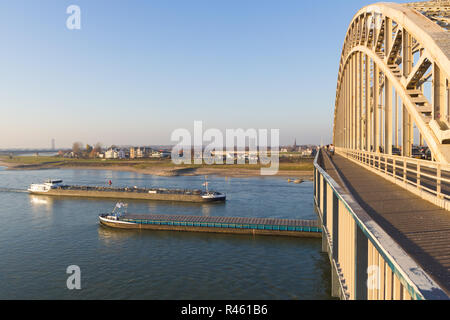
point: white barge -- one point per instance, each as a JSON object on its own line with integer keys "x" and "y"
{"x": 57, "y": 188}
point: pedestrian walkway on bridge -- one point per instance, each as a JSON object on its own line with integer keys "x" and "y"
{"x": 421, "y": 228}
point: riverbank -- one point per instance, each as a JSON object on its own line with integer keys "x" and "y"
{"x": 223, "y": 172}
{"x": 166, "y": 168}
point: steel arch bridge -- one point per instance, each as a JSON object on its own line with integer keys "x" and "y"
{"x": 393, "y": 81}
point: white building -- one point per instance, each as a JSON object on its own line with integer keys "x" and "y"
{"x": 161, "y": 154}
{"x": 111, "y": 154}
{"x": 306, "y": 152}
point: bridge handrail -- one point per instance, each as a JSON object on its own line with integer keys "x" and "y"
{"x": 410, "y": 176}
{"x": 427, "y": 163}
{"x": 414, "y": 278}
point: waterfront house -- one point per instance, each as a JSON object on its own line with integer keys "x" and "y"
{"x": 161, "y": 154}
{"x": 111, "y": 154}
{"x": 132, "y": 153}
{"x": 121, "y": 154}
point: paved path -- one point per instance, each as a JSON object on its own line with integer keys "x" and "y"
{"x": 419, "y": 227}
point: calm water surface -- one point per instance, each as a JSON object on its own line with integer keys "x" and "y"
{"x": 41, "y": 236}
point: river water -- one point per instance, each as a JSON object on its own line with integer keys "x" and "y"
{"x": 41, "y": 236}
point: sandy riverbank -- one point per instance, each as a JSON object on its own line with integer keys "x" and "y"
{"x": 5, "y": 164}
{"x": 223, "y": 172}
{"x": 169, "y": 171}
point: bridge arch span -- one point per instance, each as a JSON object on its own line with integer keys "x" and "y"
{"x": 394, "y": 73}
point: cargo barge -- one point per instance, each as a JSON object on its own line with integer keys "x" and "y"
{"x": 57, "y": 188}
{"x": 236, "y": 225}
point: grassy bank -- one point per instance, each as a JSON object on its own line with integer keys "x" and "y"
{"x": 299, "y": 168}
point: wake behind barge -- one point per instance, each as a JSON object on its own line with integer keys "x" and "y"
{"x": 57, "y": 188}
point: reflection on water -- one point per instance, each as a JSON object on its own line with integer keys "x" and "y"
{"x": 41, "y": 200}
{"x": 45, "y": 234}
{"x": 41, "y": 205}
{"x": 206, "y": 210}
{"x": 108, "y": 235}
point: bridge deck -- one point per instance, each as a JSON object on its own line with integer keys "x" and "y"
{"x": 419, "y": 227}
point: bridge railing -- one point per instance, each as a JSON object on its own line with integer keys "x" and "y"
{"x": 428, "y": 179}
{"x": 366, "y": 262}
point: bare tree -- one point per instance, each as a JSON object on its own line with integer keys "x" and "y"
{"x": 98, "y": 147}
{"x": 77, "y": 148}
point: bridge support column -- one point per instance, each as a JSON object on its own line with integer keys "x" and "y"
{"x": 320, "y": 191}
{"x": 407, "y": 59}
{"x": 376, "y": 110}
{"x": 335, "y": 284}
{"x": 361, "y": 244}
{"x": 323, "y": 209}
{"x": 346, "y": 116}
{"x": 387, "y": 116}
{"x": 354, "y": 102}
{"x": 396, "y": 119}
{"x": 360, "y": 101}
{"x": 324, "y": 242}
{"x": 406, "y": 133}
{"x": 349, "y": 105}
{"x": 367, "y": 103}
{"x": 439, "y": 91}
{"x": 357, "y": 104}
{"x": 387, "y": 91}
{"x": 315, "y": 183}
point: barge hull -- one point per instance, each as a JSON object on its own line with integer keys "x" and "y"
{"x": 127, "y": 195}
{"x": 311, "y": 233}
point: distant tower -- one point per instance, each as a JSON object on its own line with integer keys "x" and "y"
{"x": 53, "y": 144}
{"x": 294, "y": 147}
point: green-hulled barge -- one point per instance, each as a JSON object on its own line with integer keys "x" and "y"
{"x": 236, "y": 225}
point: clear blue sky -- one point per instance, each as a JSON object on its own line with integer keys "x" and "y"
{"x": 139, "y": 69}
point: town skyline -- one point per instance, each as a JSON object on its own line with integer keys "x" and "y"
{"x": 55, "y": 147}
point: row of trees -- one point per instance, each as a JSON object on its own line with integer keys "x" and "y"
{"x": 88, "y": 151}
